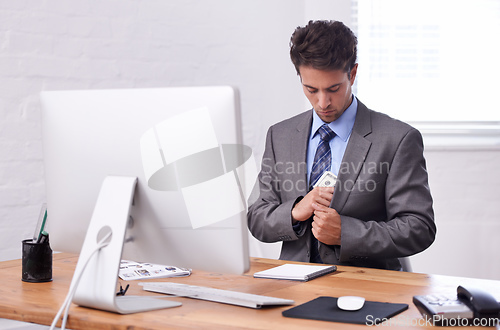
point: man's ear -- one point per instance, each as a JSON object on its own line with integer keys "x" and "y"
{"x": 352, "y": 75}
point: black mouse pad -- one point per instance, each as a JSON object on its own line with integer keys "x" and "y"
{"x": 325, "y": 309}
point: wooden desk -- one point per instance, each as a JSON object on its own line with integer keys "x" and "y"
{"x": 39, "y": 302}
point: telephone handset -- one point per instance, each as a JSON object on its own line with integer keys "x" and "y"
{"x": 468, "y": 306}
{"x": 482, "y": 304}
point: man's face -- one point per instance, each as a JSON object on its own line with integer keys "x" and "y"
{"x": 328, "y": 91}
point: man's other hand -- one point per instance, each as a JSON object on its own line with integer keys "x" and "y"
{"x": 304, "y": 209}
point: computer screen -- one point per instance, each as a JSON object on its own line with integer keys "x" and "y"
{"x": 184, "y": 146}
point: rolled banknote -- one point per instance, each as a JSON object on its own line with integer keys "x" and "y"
{"x": 327, "y": 179}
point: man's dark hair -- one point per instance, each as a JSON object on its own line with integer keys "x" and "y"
{"x": 324, "y": 45}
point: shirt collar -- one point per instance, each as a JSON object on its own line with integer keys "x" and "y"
{"x": 342, "y": 126}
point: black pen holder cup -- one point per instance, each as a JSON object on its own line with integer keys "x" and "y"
{"x": 37, "y": 261}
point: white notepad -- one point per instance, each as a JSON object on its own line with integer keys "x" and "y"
{"x": 296, "y": 272}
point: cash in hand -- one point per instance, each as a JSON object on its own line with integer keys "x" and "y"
{"x": 327, "y": 179}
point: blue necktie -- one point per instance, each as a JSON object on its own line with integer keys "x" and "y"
{"x": 323, "y": 157}
{"x": 322, "y": 162}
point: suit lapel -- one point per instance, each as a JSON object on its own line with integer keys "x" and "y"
{"x": 298, "y": 151}
{"x": 354, "y": 157}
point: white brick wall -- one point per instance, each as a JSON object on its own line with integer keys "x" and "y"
{"x": 59, "y": 44}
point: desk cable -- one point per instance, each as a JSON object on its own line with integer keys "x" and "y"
{"x": 74, "y": 284}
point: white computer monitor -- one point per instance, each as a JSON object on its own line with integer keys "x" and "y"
{"x": 184, "y": 147}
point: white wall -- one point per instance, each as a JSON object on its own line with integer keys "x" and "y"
{"x": 465, "y": 186}
{"x": 90, "y": 44}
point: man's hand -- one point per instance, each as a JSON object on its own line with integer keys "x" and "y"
{"x": 326, "y": 224}
{"x": 304, "y": 209}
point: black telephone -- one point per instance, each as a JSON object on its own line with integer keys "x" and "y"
{"x": 468, "y": 308}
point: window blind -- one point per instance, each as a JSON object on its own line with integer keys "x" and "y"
{"x": 429, "y": 60}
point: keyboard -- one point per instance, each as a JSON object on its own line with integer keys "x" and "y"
{"x": 211, "y": 294}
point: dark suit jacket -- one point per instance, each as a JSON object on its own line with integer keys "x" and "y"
{"x": 382, "y": 192}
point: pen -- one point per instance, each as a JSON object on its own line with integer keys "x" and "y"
{"x": 44, "y": 237}
{"x": 40, "y": 224}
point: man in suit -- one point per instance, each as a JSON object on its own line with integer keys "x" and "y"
{"x": 380, "y": 208}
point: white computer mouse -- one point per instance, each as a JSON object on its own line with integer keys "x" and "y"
{"x": 350, "y": 303}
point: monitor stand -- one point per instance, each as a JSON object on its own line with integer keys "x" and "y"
{"x": 98, "y": 268}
